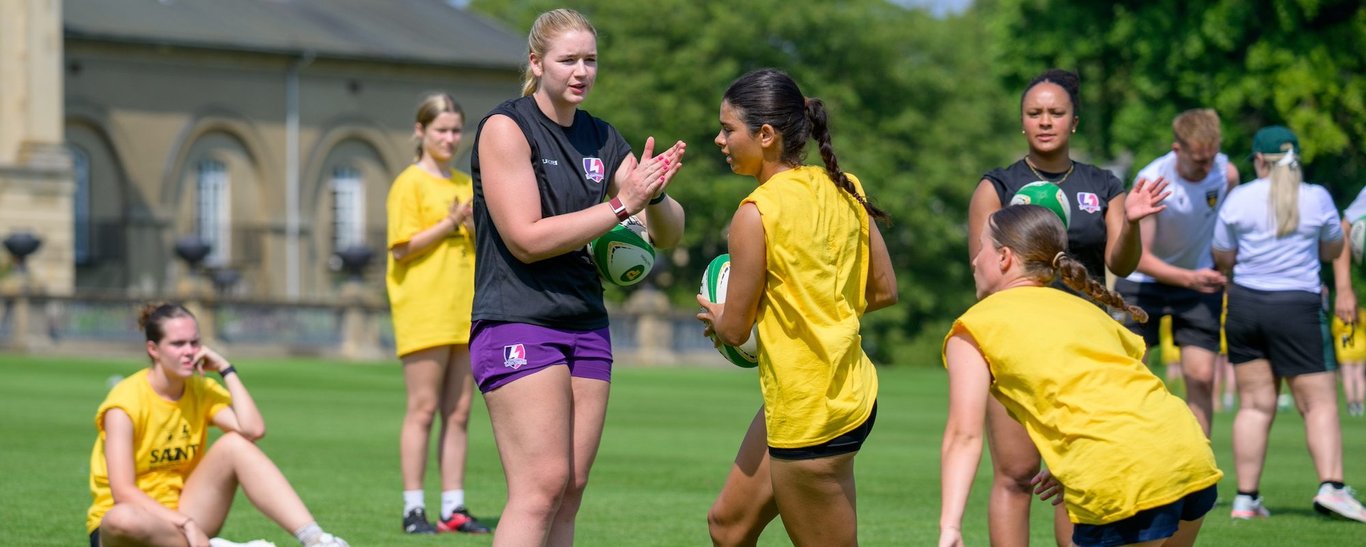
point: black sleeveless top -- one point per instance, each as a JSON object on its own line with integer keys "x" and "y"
{"x": 1089, "y": 190}
{"x": 573, "y": 166}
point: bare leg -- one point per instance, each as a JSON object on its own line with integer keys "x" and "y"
{"x": 126, "y": 525}
{"x": 1354, "y": 381}
{"x": 1014, "y": 461}
{"x": 532, "y": 424}
{"x": 817, "y": 500}
{"x": 590, "y": 412}
{"x": 1257, "y": 389}
{"x": 746, "y": 504}
{"x": 457, "y": 391}
{"x": 231, "y": 461}
{"x": 1186, "y": 531}
{"x": 1316, "y": 396}
{"x": 423, "y": 373}
{"x": 1197, "y": 366}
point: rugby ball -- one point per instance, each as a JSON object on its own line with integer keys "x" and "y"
{"x": 714, "y": 282}
{"x": 1047, "y": 195}
{"x": 1358, "y": 239}
{"x": 624, "y": 254}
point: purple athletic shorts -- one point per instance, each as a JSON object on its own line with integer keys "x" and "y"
{"x": 502, "y": 352}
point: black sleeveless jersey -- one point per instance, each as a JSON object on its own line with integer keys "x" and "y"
{"x": 1089, "y": 190}
{"x": 573, "y": 166}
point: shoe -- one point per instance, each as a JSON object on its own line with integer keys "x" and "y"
{"x": 1340, "y": 502}
{"x": 1356, "y": 409}
{"x": 1228, "y": 401}
{"x": 220, "y": 542}
{"x": 1284, "y": 402}
{"x": 1248, "y": 508}
{"x": 329, "y": 540}
{"x": 462, "y": 521}
{"x": 415, "y": 522}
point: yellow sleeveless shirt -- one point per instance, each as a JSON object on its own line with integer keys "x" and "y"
{"x": 1107, "y": 428}
{"x": 817, "y": 382}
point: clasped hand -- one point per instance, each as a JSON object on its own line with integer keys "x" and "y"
{"x": 650, "y": 176}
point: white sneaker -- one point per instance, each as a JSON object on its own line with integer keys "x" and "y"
{"x": 1341, "y": 502}
{"x": 1247, "y": 508}
{"x": 329, "y": 540}
{"x": 220, "y": 542}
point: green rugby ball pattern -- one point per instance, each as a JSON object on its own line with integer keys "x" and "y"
{"x": 714, "y": 283}
{"x": 1047, "y": 195}
{"x": 623, "y": 255}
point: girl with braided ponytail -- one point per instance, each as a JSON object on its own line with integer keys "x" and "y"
{"x": 806, "y": 302}
{"x": 1075, "y": 379}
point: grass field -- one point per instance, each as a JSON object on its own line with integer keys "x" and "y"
{"x": 671, "y": 433}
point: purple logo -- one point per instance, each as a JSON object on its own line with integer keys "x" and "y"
{"x": 514, "y": 356}
{"x": 1088, "y": 202}
{"x": 594, "y": 170}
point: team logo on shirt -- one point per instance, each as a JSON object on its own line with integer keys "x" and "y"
{"x": 1211, "y": 198}
{"x": 514, "y": 356}
{"x": 594, "y": 170}
{"x": 1088, "y": 202}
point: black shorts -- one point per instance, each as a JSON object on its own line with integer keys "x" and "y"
{"x": 1148, "y": 525}
{"x": 95, "y": 538}
{"x": 1284, "y": 327}
{"x": 1195, "y": 315}
{"x": 843, "y": 444}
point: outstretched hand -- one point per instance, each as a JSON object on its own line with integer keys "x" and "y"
{"x": 1145, "y": 199}
{"x": 651, "y": 175}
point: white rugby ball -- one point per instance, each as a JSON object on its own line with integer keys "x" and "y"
{"x": 624, "y": 254}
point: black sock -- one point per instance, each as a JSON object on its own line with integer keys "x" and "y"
{"x": 1336, "y": 484}
{"x": 1253, "y": 494}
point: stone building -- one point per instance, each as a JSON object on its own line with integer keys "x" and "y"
{"x": 269, "y": 129}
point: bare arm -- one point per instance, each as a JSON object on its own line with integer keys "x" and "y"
{"x": 881, "y": 291}
{"x": 122, "y": 472}
{"x": 1345, "y": 305}
{"x": 731, "y": 322}
{"x": 1123, "y": 243}
{"x": 1203, "y": 280}
{"x": 961, "y": 452}
{"x": 1224, "y": 260}
{"x": 460, "y": 216}
{"x": 242, "y": 417}
{"x": 984, "y": 203}
{"x": 509, "y": 184}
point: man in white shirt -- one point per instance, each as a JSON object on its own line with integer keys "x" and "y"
{"x": 1176, "y": 274}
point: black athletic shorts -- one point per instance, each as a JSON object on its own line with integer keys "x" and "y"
{"x": 1283, "y": 327}
{"x": 95, "y": 538}
{"x": 1195, "y": 315}
{"x": 843, "y": 444}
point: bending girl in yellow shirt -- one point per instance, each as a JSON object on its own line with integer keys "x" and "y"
{"x": 1075, "y": 379}
{"x": 806, "y": 301}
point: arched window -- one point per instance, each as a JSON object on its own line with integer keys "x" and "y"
{"x": 80, "y": 201}
{"x": 348, "y": 208}
{"x": 214, "y": 210}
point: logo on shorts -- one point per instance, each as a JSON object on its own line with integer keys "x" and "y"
{"x": 594, "y": 170}
{"x": 514, "y": 356}
{"x": 1088, "y": 202}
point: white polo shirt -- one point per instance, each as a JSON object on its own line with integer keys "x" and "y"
{"x": 1183, "y": 231}
{"x": 1266, "y": 262}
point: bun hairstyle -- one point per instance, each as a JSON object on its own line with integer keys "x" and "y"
{"x": 546, "y": 27}
{"x": 1068, "y": 81}
{"x": 152, "y": 316}
{"x": 434, "y": 105}
{"x": 1038, "y": 239}
{"x": 770, "y": 97}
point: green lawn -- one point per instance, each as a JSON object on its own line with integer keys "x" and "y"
{"x": 671, "y": 433}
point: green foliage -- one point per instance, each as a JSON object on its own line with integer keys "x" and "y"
{"x": 915, "y": 113}
{"x": 1293, "y": 62}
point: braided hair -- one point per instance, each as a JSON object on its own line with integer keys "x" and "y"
{"x": 1038, "y": 239}
{"x": 770, "y": 97}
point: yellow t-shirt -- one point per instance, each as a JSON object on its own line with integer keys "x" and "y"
{"x": 816, "y": 380}
{"x": 1108, "y": 429}
{"x": 431, "y": 295}
{"x": 1349, "y": 342}
{"x": 168, "y": 438}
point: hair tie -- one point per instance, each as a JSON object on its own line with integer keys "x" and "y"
{"x": 1288, "y": 159}
{"x": 1057, "y": 258}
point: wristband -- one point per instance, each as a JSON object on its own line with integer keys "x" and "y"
{"x": 619, "y": 209}
{"x": 657, "y": 199}
{"x": 225, "y": 372}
